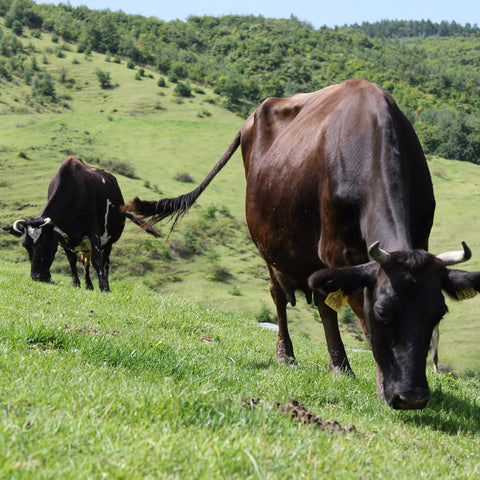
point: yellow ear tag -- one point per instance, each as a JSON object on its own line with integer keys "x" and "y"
{"x": 466, "y": 293}
{"x": 336, "y": 300}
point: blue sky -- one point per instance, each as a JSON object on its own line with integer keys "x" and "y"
{"x": 315, "y": 12}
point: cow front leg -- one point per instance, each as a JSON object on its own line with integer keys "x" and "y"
{"x": 72, "y": 260}
{"x": 337, "y": 357}
{"x": 97, "y": 263}
{"x": 284, "y": 348}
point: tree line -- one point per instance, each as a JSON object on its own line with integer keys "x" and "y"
{"x": 432, "y": 70}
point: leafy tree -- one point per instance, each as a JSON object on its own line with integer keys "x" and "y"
{"x": 231, "y": 87}
{"x": 17, "y": 27}
{"x": 183, "y": 89}
{"x": 104, "y": 79}
{"x": 42, "y": 84}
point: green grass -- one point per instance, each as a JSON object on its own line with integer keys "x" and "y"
{"x": 134, "y": 384}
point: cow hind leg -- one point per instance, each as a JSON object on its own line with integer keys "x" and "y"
{"x": 337, "y": 357}
{"x": 284, "y": 348}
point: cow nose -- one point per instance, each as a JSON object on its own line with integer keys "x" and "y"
{"x": 38, "y": 277}
{"x": 410, "y": 400}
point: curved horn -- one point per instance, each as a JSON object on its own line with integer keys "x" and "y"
{"x": 452, "y": 258}
{"x": 17, "y": 224}
{"x": 47, "y": 220}
{"x": 377, "y": 254}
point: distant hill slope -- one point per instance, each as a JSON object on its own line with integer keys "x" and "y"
{"x": 431, "y": 69}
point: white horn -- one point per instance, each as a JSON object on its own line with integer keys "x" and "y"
{"x": 46, "y": 222}
{"x": 452, "y": 258}
{"x": 17, "y": 224}
{"x": 377, "y": 254}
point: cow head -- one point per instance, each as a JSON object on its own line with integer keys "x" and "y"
{"x": 40, "y": 238}
{"x": 403, "y": 301}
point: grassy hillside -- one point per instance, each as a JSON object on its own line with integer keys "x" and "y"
{"x": 148, "y": 129}
{"x": 134, "y": 384}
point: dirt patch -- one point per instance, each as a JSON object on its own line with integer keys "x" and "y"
{"x": 298, "y": 412}
{"x": 89, "y": 331}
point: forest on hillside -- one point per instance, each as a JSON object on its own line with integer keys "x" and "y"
{"x": 432, "y": 70}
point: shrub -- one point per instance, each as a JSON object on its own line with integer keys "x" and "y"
{"x": 161, "y": 82}
{"x": 184, "y": 177}
{"x": 183, "y": 89}
{"x": 210, "y": 212}
{"x": 104, "y": 79}
{"x": 17, "y": 28}
{"x": 217, "y": 273}
{"x": 264, "y": 315}
{"x": 130, "y": 65}
{"x": 43, "y": 85}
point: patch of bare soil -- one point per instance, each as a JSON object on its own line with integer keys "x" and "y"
{"x": 298, "y": 412}
{"x": 88, "y": 331}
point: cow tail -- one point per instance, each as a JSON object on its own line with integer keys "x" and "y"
{"x": 143, "y": 224}
{"x": 176, "y": 207}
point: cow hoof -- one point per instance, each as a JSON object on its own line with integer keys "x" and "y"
{"x": 340, "y": 368}
{"x": 341, "y": 371}
{"x": 285, "y": 355}
{"x": 287, "y": 360}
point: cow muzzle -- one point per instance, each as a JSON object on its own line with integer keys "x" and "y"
{"x": 41, "y": 277}
{"x": 415, "y": 399}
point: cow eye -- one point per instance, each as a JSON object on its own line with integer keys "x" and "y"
{"x": 382, "y": 315}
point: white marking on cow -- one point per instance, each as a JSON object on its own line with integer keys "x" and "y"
{"x": 106, "y": 237}
{"x": 34, "y": 233}
{"x": 103, "y": 181}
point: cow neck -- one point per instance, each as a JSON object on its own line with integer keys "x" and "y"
{"x": 387, "y": 222}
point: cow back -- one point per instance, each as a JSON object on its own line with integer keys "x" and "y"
{"x": 330, "y": 172}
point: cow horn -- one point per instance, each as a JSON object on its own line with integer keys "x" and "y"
{"x": 377, "y": 254}
{"x": 17, "y": 224}
{"x": 47, "y": 221}
{"x": 452, "y": 258}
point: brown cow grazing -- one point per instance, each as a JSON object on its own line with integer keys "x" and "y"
{"x": 83, "y": 214}
{"x": 339, "y": 200}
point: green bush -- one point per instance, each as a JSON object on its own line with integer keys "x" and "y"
{"x": 264, "y": 315}
{"x": 104, "y": 79}
{"x": 184, "y": 177}
{"x": 183, "y": 89}
{"x": 42, "y": 84}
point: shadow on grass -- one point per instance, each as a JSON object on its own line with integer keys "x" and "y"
{"x": 449, "y": 412}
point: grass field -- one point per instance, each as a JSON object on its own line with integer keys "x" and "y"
{"x": 134, "y": 384}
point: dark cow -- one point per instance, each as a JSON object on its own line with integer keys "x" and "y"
{"x": 83, "y": 214}
{"x": 339, "y": 201}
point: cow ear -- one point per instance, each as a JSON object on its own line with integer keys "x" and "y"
{"x": 12, "y": 231}
{"x": 457, "y": 283}
{"x": 348, "y": 279}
